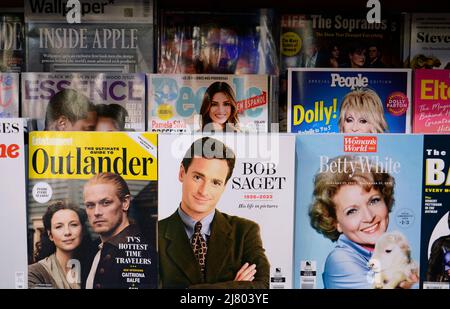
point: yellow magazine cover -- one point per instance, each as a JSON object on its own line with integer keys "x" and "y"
{"x": 92, "y": 210}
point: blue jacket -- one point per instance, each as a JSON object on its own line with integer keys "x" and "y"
{"x": 346, "y": 266}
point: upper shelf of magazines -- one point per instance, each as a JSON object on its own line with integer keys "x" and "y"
{"x": 347, "y": 5}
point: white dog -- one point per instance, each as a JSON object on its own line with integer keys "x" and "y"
{"x": 391, "y": 261}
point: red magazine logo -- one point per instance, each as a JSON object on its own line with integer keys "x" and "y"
{"x": 360, "y": 143}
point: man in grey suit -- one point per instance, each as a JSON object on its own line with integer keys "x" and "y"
{"x": 201, "y": 247}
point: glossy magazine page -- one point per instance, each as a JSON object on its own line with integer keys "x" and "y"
{"x": 252, "y": 212}
{"x": 113, "y": 36}
{"x": 349, "y": 100}
{"x": 201, "y": 102}
{"x": 435, "y": 254}
{"x": 92, "y": 209}
{"x": 13, "y": 260}
{"x": 84, "y": 101}
{"x": 358, "y": 211}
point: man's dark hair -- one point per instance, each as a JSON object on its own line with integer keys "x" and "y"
{"x": 46, "y": 247}
{"x": 116, "y": 112}
{"x": 356, "y": 47}
{"x": 210, "y": 148}
{"x": 69, "y": 103}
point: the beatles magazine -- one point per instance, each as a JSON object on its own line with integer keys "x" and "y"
{"x": 13, "y": 260}
{"x": 431, "y": 101}
{"x": 218, "y": 42}
{"x": 185, "y": 102}
{"x": 349, "y": 100}
{"x": 260, "y": 189}
{"x": 435, "y": 252}
{"x": 105, "y": 101}
{"x": 357, "y": 223}
{"x": 9, "y": 95}
{"x": 429, "y": 48}
{"x": 12, "y": 42}
{"x": 108, "y": 36}
{"x": 92, "y": 210}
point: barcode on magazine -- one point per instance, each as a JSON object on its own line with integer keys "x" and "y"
{"x": 20, "y": 280}
{"x": 307, "y": 286}
{"x": 148, "y": 8}
{"x": 436, "y": 285}
{"x": 307, "y": 283}
{"x": 308, "y": 272}
{"x": 128, "y": 12}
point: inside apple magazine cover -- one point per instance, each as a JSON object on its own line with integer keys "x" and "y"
{"x": 110, "y": 36}
{"x": 213, "y": 42}
{"x": 251, "y": 202}
{"x": 180, "y": 103}
{"x": 92, "y": 210}
{"x": 13, "y": 260}
{"x": 435, "y": 254}
{"x": 349, "y": 100}
{"x": 84, "y": 101}
{"x": 358, "y": 211}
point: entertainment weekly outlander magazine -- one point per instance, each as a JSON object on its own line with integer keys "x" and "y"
{"x": 358, "y": 210}
{"x": 13, "y": 260}
{"x": 117, "y": 97}
{"x": 261, "y": 189}
{"x": 110, "y": 177}
{"x": 175, "y": 100}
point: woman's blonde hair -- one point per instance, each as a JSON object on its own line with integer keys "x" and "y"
{"x": 367, "y": 103}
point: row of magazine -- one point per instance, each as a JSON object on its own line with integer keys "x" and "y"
{"x": 127, "y": 36}
{"x": 319, "y": 101}
{"x": 146, "y": 210}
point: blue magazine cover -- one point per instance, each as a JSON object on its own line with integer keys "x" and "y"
{"x": 349, "y": 100}
{"x": 180, "y": 103}
{"x": 435, "y": 254}
{"x": 357, "y": 225}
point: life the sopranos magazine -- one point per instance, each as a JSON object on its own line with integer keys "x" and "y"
{"x": 325, "y": 40}
{"x": 100, "y": 190}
